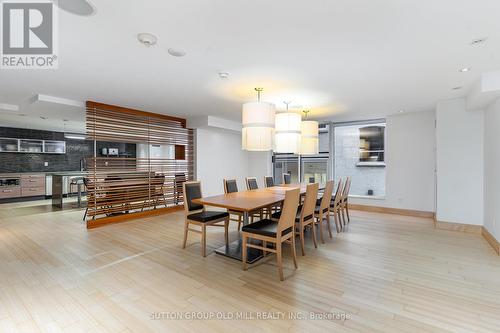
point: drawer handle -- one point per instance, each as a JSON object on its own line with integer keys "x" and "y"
{"x": 32, "y": 181}
{"x": 7, "y": 191}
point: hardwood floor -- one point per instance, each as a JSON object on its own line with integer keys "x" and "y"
{"x": 387, "y": 273}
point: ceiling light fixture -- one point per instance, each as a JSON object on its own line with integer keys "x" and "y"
{"x": 223, "y": 75}
{"x": 288, "y": 130}
{"x": 9, "y": 107}
{"x": 465, "y": 69}
{"x": 147, "y": 39}
{"x": 309, "y": 142}
{"x": 77, "y": 7}
{"x": 176, "y": 52}
{"x": 258, "y": 125}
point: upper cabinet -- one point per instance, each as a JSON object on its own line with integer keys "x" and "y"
{"x": 11, "y": 145}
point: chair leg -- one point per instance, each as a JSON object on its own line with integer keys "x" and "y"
{"x": 339, "y": 215}
{"x": 244, "y": 252}
{"x": 302, "y": 242}
{"x": 264, "y": 245}
{"x": 85, "y": 215}
{"x": 204, "y": 240}
{"x": 294, "y": 252}
{"x": 239, "y": 222}
{"x": 344, "y": 216}
{"x": 320, "y": 225}
{"x": 279, "y": 260}
{"x": 336, "y": 222}
{"x": 347, "y": 211}
{"x": 186, "y": 226}
{"x": 328, "y": 224}
{"x": 226, "y": 231}
{"x": 314, "y": 236}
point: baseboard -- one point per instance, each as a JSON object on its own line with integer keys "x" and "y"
{"x": 388, "y": 210}
{"x": 495, "y": 244}
{"x": 91, "y": 224}
{"x": 462, "y": 227}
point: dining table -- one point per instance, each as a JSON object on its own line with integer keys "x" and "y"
{"x": 247, "y": 202}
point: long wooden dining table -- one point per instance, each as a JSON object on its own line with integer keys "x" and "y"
{"x": 248, "y": 202}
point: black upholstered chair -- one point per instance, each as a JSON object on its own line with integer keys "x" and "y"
{"x": 272, "y": 231}
{"x": 287, "y": 178}
{"x": 252, "y": 183}
{"x": 197, "y": 215}
{"x": 268, "y": 181}
{"x": 231, "y": 186}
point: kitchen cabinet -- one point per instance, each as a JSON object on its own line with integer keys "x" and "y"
{"x": 12, "y": 145}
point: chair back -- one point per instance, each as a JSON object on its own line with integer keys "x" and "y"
{"x": 268, "y": 181}
{"x": 327, "y": 196}
{"x": 289, "y": 211}
{"x": 230, "y": 186}
{"x": 309, "y": 206}
{"x": 287, "y": 178}
{"x": 192, "y": 190}
{"x": 338, "y": 194}
{"x": 252, "y": 183}
{"x": 347, "y": 187}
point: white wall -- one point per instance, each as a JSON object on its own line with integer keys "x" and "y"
{"x": 492, "y": 169}
{"x": 260, "y": 165}
{"x": 460, "y": 160}
{"x": 218, "y": 156}
{"x": 410, "y": 163}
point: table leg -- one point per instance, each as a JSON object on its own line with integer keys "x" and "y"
{"x": 233, "y": 249}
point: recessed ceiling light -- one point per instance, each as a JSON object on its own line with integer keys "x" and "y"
{"x": 478, "y": 41}
{"x": 401, "y": 111}
{"x": 223, "y": 75}
{"x": 456, "y": 88}
{"x": 465, "y": 69}
{"x": 147, "y": 39}
{"x": 77, "y": 7}
{"x": 176, "y": 52}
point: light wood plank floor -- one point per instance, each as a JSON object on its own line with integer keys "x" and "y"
{"x": 388, "y": 273}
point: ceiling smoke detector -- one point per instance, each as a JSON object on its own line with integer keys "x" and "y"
{"x": 465, "y": 69}
{"x": 77, "y": 7}
{"x": 147, "y": 39}
{"x": 176, "y": 52}
{"x": 478, "y": 41}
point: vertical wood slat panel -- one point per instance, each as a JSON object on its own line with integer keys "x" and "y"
{"x": 121, "y": 185}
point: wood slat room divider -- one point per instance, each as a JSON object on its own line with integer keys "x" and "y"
{"x": 121, "y": 188}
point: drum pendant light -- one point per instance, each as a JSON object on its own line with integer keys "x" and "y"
{"x": 309, "y": 143}
{"x": 258, "y": 125}
{"x": 288, "y": 130}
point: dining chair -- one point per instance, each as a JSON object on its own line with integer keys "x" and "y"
{"x": 321, "y": 213}
{"x": 268, "y": 181}
{"x": 155, "y": 193}
{"x": 179, "y": 178}
{"x": 251, "y": 183}
{"x": 345, "y": 200}
{"x": 335, "y": 204}
{"x": 287, "y": 178}
{"x": 231, "y": 186}
{"x": 197, "y": 214}
{"x": 306, "y": 216}
{"x": 274, "y": 232}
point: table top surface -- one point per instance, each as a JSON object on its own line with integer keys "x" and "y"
{"x": 250, "y": 200}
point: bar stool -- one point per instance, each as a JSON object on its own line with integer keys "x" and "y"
{"x": 78, "y": 182}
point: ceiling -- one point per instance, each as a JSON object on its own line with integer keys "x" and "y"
{"x": 342, "y": 59}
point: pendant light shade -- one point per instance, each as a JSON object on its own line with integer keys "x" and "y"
{"x": 258, "y": 125}
{"x": 309, "y": 143}
{"x": 288, "y": 130}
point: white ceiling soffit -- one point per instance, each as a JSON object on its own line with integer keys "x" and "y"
{"x": 214, "y": 123}
{"x": 57, "y": 100}
{"x": 9, "y": 107}
{"x": 484, "y": 92}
